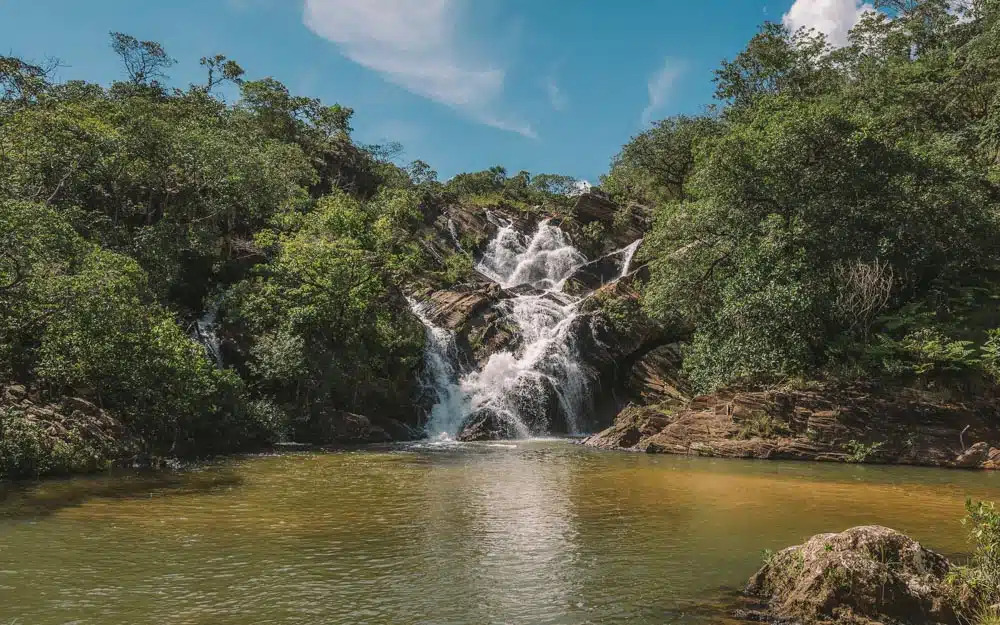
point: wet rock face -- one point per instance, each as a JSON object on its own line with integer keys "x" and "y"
{"x": 868, "y": 574}
{"x": 593, "y": 275}
{"x": 456, "y": 307}
{"x": 486, "y": 425}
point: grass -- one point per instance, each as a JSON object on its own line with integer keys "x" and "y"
{"x": 762, "y": 425}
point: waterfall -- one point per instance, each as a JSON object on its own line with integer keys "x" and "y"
{"x": 628, "y": 253}
{"x": 441, "y": 371}
{"x": 454, "y": 234}
{"x": 204, "y": 332}
{"x": 544, "y": 374}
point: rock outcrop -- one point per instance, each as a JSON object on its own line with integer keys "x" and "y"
{"x": 842, "y": 425}
{"x": 336, "y": 427}
{"x": 868, "y": 574}
{"x": 619, "y": 225}
{"x": 71, "y": 435}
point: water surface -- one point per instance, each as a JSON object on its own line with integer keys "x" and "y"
{"x": 537, "y": 532}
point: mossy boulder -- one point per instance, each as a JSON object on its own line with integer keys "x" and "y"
{"x": 869, "y": 574}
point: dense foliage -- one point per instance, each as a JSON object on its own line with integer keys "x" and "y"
{"x": 839, "y": 213}
{"x": 130, "y": 212}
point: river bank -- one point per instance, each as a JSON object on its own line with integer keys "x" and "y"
{"x": 850, "y": 424}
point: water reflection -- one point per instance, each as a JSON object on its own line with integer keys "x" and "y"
{"x": 31, "y": 499}
{"x": 539, "y": 533}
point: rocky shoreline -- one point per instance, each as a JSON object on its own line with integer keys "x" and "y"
{"x": 823, "y": 424}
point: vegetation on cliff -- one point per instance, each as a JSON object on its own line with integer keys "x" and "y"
{"x": 129, "y": 212}
{"x": 837, "y": 215}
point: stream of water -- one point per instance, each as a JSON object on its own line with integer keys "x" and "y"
{"x": 519, "y": 532}
{"x": 515, "y": 384}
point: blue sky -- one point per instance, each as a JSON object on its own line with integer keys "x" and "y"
{"x": 551, "y": 86}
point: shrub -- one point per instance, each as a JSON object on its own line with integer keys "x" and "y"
{"x": 978, "y": 583}
{"x": 762, "y": 425}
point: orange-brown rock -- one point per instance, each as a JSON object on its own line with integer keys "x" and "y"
{"x": 844, "y": 425}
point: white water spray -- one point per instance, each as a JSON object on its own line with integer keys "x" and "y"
{"x": 440, "y": 361}
{"x": 545, "y": 375}
{"x": 205, "y": 333}
{"x": 628, "y": 254}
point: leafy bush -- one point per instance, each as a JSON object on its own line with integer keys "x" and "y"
{"x": 623, "y": 312}
{"x": 859, "y": 452}
{"x": 761, "y": 425}
{"x": 978, "y": 583}
{"x": 991, "y": 354}
{"x": 458, "y": 268}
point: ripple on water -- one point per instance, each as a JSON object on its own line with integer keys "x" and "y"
{"x": 528, "y": 532}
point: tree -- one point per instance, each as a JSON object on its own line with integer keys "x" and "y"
{"x": 554, "y": 184}
{"x": 777, "y": 61}
{"x": 145, "y": 61}
{"x": 780, "y": 201}
{"x": 655, "y": 165}
{"x": 421, "y": 174}
{"x": 22, "y": 82}
{"x": 220, "y": 70}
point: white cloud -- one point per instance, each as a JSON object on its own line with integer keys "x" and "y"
{"x": 413, "y": 44}
{"x": 557, "y": 98}
{"x": 660, "y": 87}
{"x": 834, "y": 18}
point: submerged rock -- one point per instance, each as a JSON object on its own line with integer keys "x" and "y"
{"x": 868, "y": 574}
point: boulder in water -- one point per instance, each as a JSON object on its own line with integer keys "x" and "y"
{"x": 868, "y": 574}
{"x": 334, "y": 427}
{"x": 487, "y": 425}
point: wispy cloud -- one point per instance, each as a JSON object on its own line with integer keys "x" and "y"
{"x": 834, "y": 18}
{"x": 661, "y": 86}
{"x": 414, "y": 45}
{"x": 557, "y": 98}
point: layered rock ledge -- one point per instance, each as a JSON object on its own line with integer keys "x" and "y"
{"x": 71, "y": 435}
{"x": 840, "y": 425}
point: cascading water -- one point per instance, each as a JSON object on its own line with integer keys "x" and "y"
{"x": 440, "y": 358}
{"x": 544, "y": 375}
{"x": 204, "y": 332}
{"x": 628, "y": 253}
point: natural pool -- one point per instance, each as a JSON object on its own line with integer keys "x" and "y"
{"x": 525, "y": 533}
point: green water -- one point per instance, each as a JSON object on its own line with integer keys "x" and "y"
{"x": 532, "y": 533}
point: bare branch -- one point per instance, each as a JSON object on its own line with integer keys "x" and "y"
{"x": 864, "y": 291}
